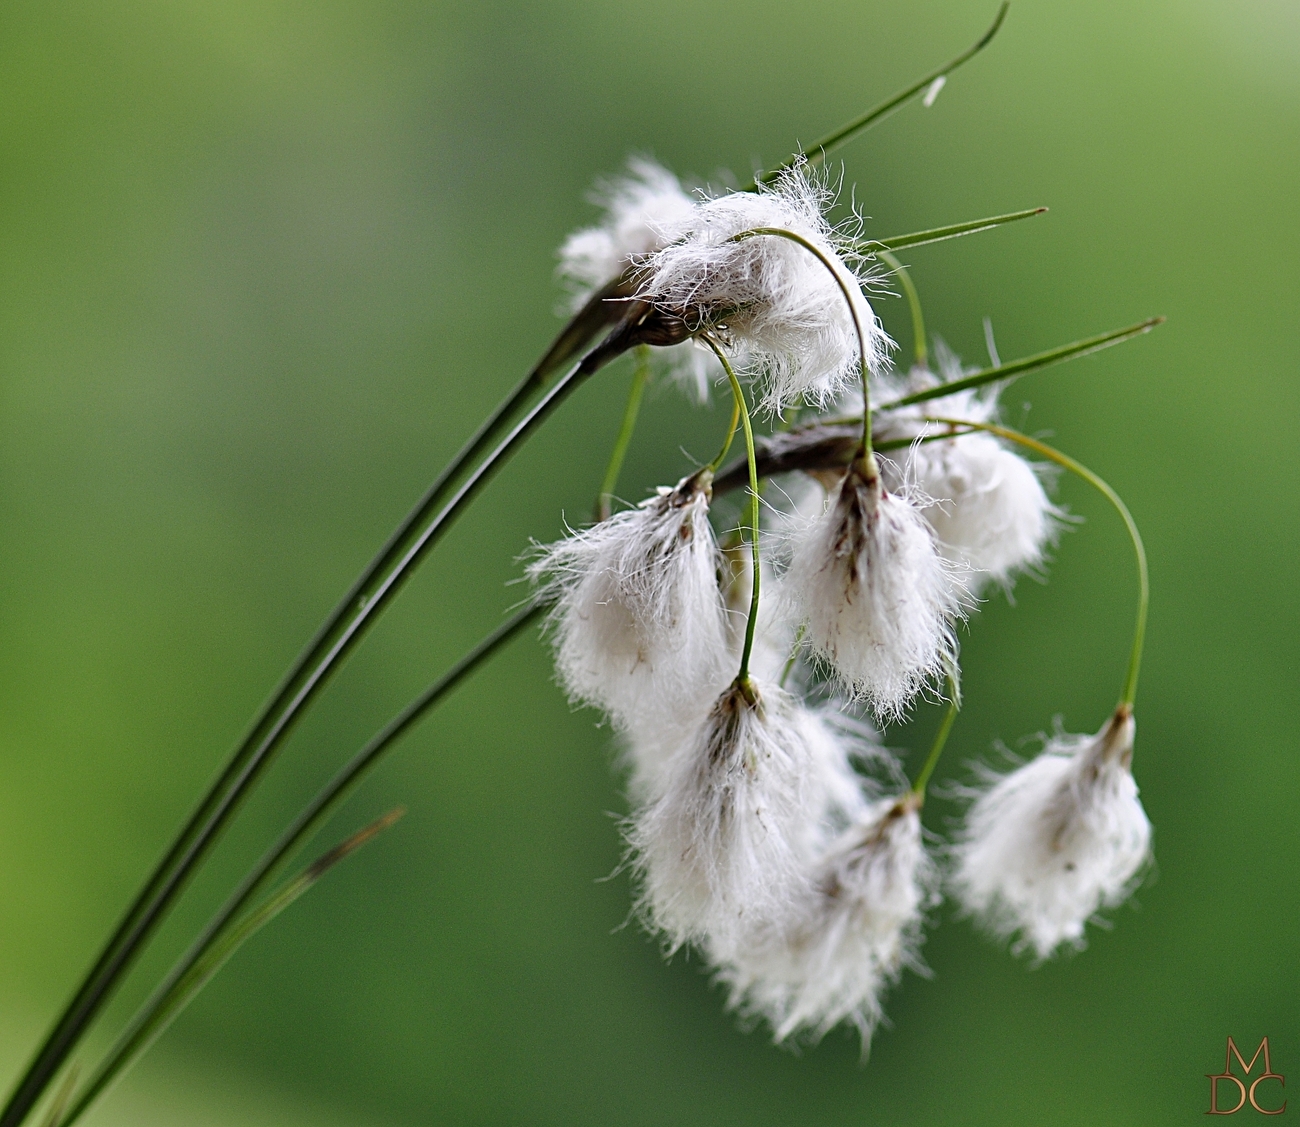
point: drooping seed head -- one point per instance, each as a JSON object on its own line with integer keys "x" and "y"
{"x": 852, "y": 936}
{"x": 772, "y": 300}
{"x": 724, "y": 851}
{"x": 638, "y": 625}
{"x": 1049, "y": 844}
{"x": 877, "y": 597}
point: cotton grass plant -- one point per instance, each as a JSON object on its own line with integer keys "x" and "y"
{"x": 744, "y": 669}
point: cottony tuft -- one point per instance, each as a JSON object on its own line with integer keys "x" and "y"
{"x": 852, "y": 935}
{"x": 877, "y": 597}
{"x": 770, "y": 299}
{"x": 638, "y": 624}
{"x": 1054, "y": 841}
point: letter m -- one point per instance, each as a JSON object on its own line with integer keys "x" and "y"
{"x": 1245, "y": 1068}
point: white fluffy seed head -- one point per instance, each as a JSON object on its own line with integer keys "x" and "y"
{"x": 877, "y": 597}
{"x": 724, "y": 851}
{"x": 638, "y": 625}
{"x": 988, "y": 507}
{"x": 855, "y": 931}
{"x": 1048, "y": 845}
{"x": 782, "y": 310}
{"x": 644, "y": 211}
{"x": 986, "y": 504}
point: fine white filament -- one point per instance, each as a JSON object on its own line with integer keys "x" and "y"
{"x": 853, "y": 935}
{"x": 1048, "y": 845}
{"x": 638, "y": 625}
{"x": 771, "y": 299}
{"x": 877, "y": 597}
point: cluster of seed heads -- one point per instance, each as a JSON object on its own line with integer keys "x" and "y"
{"x": 770, "y": 829}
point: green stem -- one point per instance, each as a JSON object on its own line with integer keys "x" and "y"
{"x": 794, "y": 654}
{"x": 738, "y": 395}
{"x": 940, "y": 234}
{"x": 820, "y": 255}
{"x": 731, "y": 435}
{"x": 624, "y": 439}
{"x": 345, "y": 627}
{"x": 1028, "y": 364}
{"x": 1129, "y": 692}
{"x": 941, "y": 737}
{"x": 132, "y": 1045}
{"x": 920, "y": 353}
{"x": 820, "y": 150}
{"x": 313, "y": 816}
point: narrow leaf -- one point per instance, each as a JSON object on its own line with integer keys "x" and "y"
{"x": 54, "y": 1116}
{"x": 1028, "y": 364}
{"x": 939, "y": 234}
{"x": 820, "y": 150}
{"x": 150, "y": 1025}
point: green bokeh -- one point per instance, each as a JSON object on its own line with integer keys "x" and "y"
{"x": 264, "y": 265}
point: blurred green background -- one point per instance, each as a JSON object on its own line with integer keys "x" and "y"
{"x": 264, "y": 265}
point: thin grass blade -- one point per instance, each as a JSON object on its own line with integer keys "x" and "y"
{"x": 140, "y": 1036}
{"x": 1029, "y": 363}
{"x": 940, "y": 234}
{"x": 328, "y": 799}
{"x": 58, "y": 1105}
{"x": 820, "y": 150}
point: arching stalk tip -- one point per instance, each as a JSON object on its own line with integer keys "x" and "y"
{"x": 997, "y": 24}
{"x": 820, "y": 150}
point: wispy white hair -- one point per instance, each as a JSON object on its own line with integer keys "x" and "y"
{"x": 638, "y": 624}
{"x": 725, "y": 851}
{"x": 851, "y": 937}
{"x": 1049, "y": 844}
{"x": 877, "y": 597}
{"x": 782, "y": 310}
{"x": 644, "y": 210}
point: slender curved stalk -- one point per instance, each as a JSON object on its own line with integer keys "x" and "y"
{"x": 818, "y": 151}
{"x": 941, "y": 234}
{"x": 732, "y": 427}
{"x": 1129, "y": 692}
{"x": 920, "y": 353}
{"x": 1028, "y": 364}
{"x": 738, "y": 396}
{"x": 342, "y": 631}
{"x": 605, "y": 501}
{"x": 129, "y": 1048}
{"x": 820, "y": 255}
{"x": 788, "y": 668}
{"x": 941, "y": 737}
